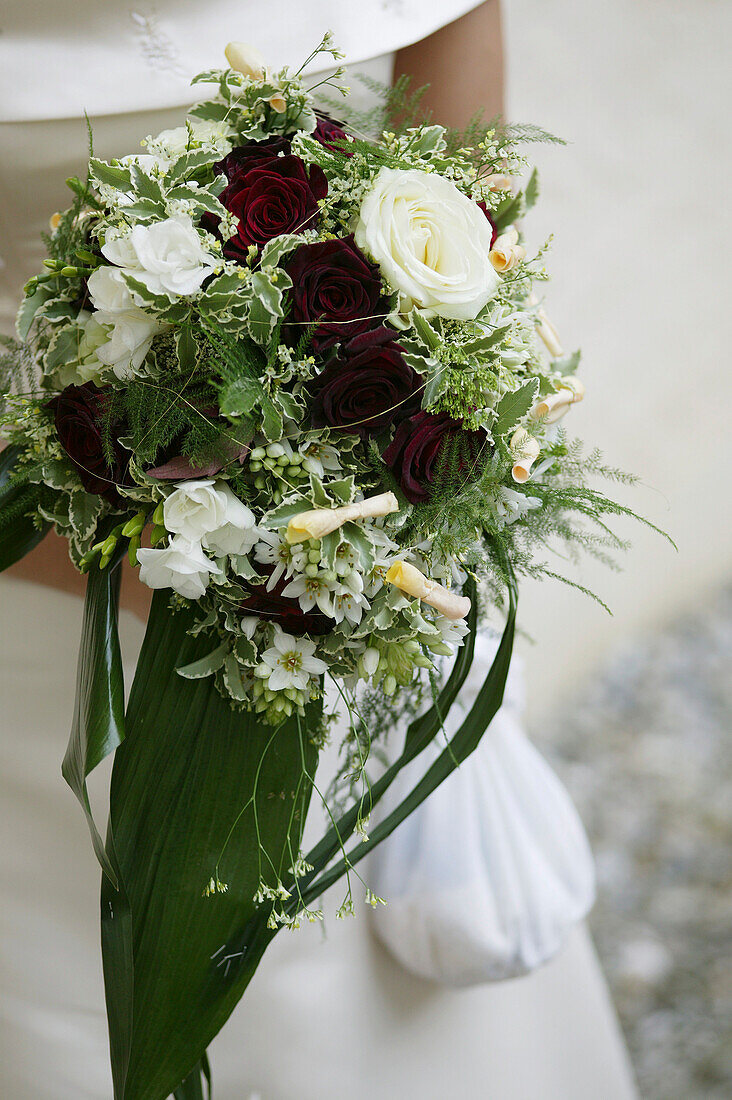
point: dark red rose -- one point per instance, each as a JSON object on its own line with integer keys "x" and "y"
{"x": 494, "y": 232}
{"x": 276, "y": 196}
{"x": 332, "y": 134}
{"x": 284, "y": 610}
{"x": 78, "y": 413}
{"x": 334, "y": 283}
{"x": 251, "y": 155}
{"x": 367, "y": 387}
{"x": 414, "y": 454}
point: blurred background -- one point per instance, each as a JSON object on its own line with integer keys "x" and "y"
{"x": 635, "y": 709}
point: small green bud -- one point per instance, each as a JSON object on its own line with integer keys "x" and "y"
{"x": 311, "y": 570}
{"x": 314, "y": 555}
{"x": 258, "y": 454}
{"x": 132, "y": 550}
{"x": 390, "y": 684}
{"x": 50, "y": 264}
{"x": 134, "y": 526}
{"x": 158, "y": 516}
{"x": 157, "y": 535}
{"x": 108, "y": 546}
{"x": 69, "y": 271}
{"x": 104, "y": 561}
{"x": 255, "y": 466}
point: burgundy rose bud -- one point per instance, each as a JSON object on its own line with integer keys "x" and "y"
{"x": 78, "y": 413}
{"x": 253, "y": 154}
{"x": 332, "y": 134}
{"x": 276, "y": 196}
{"x": 416, "y": 451}
{"x": 367, "y": 387}
{"x": 334, "y": 284}
{"x": 485, "y": 210}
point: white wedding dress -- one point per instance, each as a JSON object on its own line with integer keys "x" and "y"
{"x": 330, "y": 1013}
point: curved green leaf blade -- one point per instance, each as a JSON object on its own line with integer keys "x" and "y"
{"x": 460, "y": 746}
{"x": 190, "y": 773}
{"x": 98, "y": 726}
{"x": 19, "y": 534}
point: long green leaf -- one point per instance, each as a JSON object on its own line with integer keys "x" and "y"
{"x": 19, "y": 535}
{"x": 193, "y": 783}
{"x": 460, "y": 746}
{"x": 419, "y": 734}
{"x": 98, "y": 725}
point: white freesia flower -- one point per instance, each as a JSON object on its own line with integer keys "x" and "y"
{"x": 182, "y": 566}
{"x": 430, "y": 240}
{"x": 208, "y": 512}
{"x": 169, "y": 257}
{"x": 292, "y": 662}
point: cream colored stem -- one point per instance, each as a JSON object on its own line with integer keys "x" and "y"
{"x": 414, "y": 583}
{"x": 319, "y": 522}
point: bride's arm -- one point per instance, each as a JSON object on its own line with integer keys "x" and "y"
{"x": 463, "y": 65}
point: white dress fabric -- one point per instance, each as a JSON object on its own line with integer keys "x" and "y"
{"x": 488, "y": 877}
{"x": 328, "y": 1015}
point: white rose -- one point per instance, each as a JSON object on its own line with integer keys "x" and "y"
{"x": 207, "y": 511}
{"x": 169, "y": 257}
{"x": 182, "y": 566}
{"x": 430, "y": 240}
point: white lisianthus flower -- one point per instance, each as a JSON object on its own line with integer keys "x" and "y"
{"x": 182, "y": 565}
{"x": 291, "y": 662}
{"x": 208, "y": 512}
{"x": 430, "y": 241}
{"x": 129, "y": 335}
{"x": 169, "y": 257}
{"x": 129, "y": 330}
{"x": 109, "y": 291}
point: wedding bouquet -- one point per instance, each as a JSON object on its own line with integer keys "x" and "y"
{"x": 302, "y": 379}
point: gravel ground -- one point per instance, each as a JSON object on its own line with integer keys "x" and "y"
{"x": 646, "y": 754}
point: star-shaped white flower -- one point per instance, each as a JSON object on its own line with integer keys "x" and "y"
{"x": 292, "y": 662}
{"x": 311, "y": 591}
{"x": 273, "y": 550}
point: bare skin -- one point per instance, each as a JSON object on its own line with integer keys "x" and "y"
{"x": 463, "y": 65}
